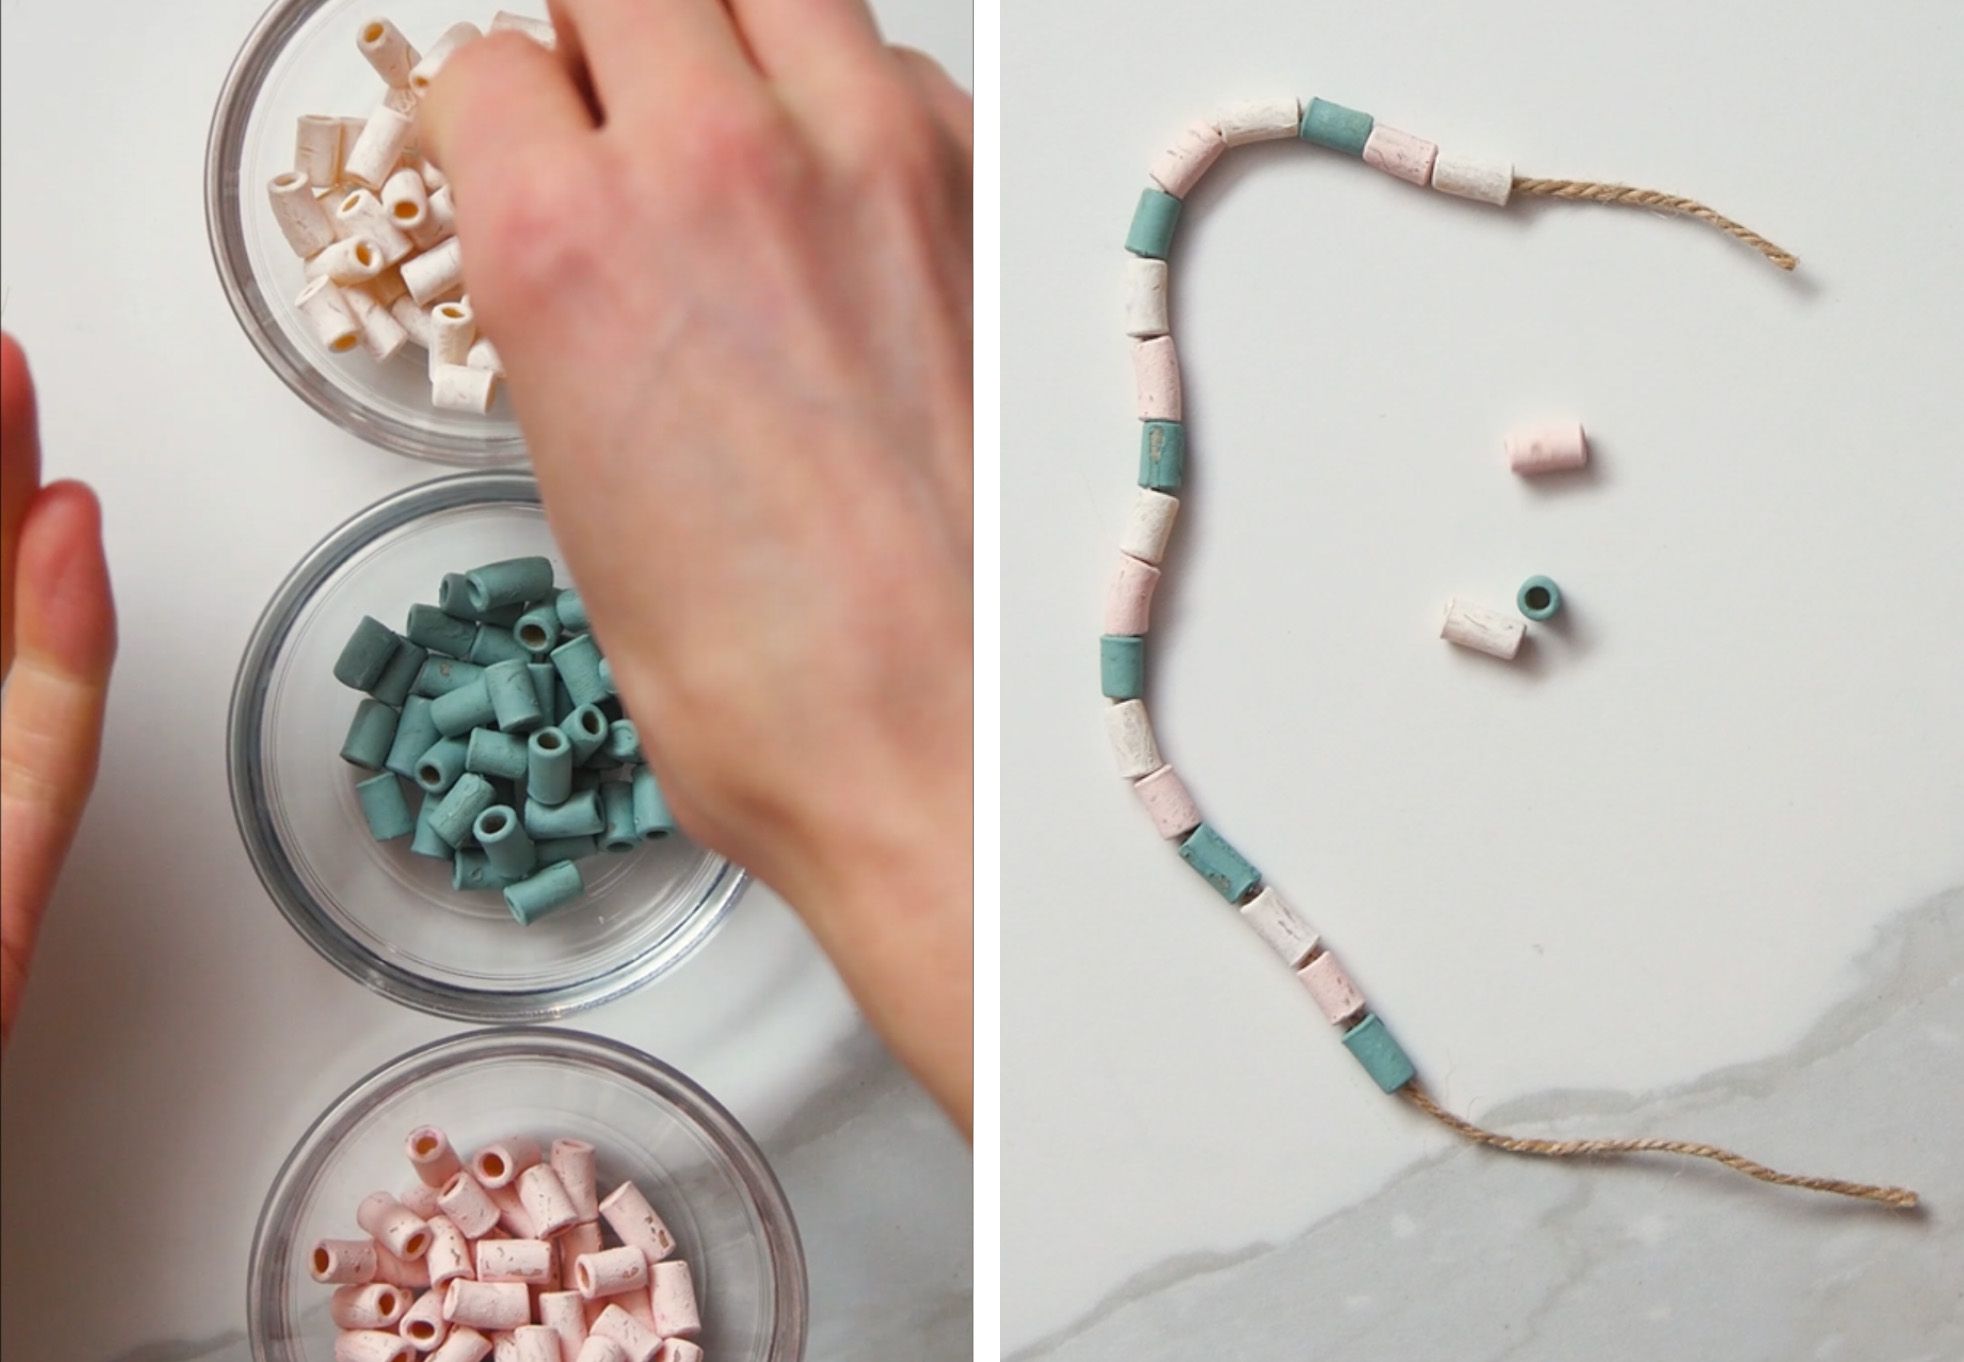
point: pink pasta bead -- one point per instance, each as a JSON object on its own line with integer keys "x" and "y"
{"x": 422, "y": 1326}
{"x": 468, "y": 1205}
{"x": 400, "y": 1271}
{"x": 547, "y": 1203}
{"x": 582, "y": 1238}
{"x": 678, "y": 1350}
{"x": 421, "y": 1200}
{"x": 428, "y": 1148}
{"x": 1156, "y": 374}
{"x": 498, "y": 1165}
{"x": 597, "y": 1349}
{"x": 536, "y": 1343}
{"x": 370, "y": 1345}
{"x": 342, "y": 1260}
{"x": 515, "y": 1260}
{"x": 1332, "y": 989}
{"x": 635, "y": 1221}
{"x": 487, "y": 1305}
{"x": 1401, "y": 154}
{"x": 564, "y": 1313}
{"x": 573, "y": 1161}
{"x": 673, "y": 1299}
{"x": 610, "y": 1272}
{"x": 374, "y": 1306}
{"x": 637, "y": 1340}
{"x": 1547, "y": 448}
{"x": 1174, "y": 814}
{"x": 1179, "y": 167}
{"x": 397, "y": 1228}
{"x": 462, "y": 1345}
{"x": 450, "y": 1252}
{"x": 504, "y": 1348}
{"x": 1128, "y": 605}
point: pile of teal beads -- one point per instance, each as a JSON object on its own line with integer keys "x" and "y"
{"x": 498, "y": 707}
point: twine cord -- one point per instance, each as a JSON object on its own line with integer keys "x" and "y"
{"x": 1900, "y": 1198}
{"x": 1593, "y": 191}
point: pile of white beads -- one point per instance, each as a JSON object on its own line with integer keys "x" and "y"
{"x": 506, "y": 1258}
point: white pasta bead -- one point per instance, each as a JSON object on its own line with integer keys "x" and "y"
{"x": 446, "y": 47}
{"x": 387, "y": 51}
{"x": 434, "y": 273}
{"x": 673, "y": 1294}
{"x": 351, "y": 130}
{"x": 1483, "y": 630}
{"x": 423, "y": 1326}
{"x": 452, "y": 328}
{"x": 1150, "y": 525}
{"x": 484, "y": 355}
{"x": 385, "y": 288}
{"x": 378, "y": 150}
{"x": 404, "y": 102}
{"x": 374, "y": 1306}
{"x": 354, "y": 261}
{"x": 1145, "y": 296}
{"x": 1128, "y": 606}
{"x": 433, "y": 176}
{"x": 317, "y": 150}
{"x": 1179, "y": 167}
{"x": 1165, "y": 796}
{"x": 327, "y": 311}
{"x": 546, "y": 1199}
{"x": 539, "y": 31}
{"x": 1332, "y": 989}
{"x": 413, "y": 320}
{"x": 536, "y": 1343}
{"x": 487, "y": 1305}
{"x": 443, "y": 210}
{"x": 360, "y": 213}
{"x": 458, "y": 387}
{"x": 1277, "y": 922}
{"x": 406, "y": 199}
{"x": 1156, "y": 374}
{"x": 1547, "y": 448}
{"x": 1133, "y": 745}
{"x": 1259, "y": 120}
{"x": 1471, "y": 177}
{"x": 302, "y": 220}
{"x": 383, "y": 337}
{"x": 461, "y": 1345}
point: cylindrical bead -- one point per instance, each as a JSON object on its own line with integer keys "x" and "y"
{"x": 537, "y": 630}
{"x": 499, "y": 1163}
{"x": 550, "y": 889}
{"x": 471, "y": 870}
{"x": 1128, "y": 605}
{"x": 469, "y": 797}
{"x": 673, "y": 1293}
{"x": 1153, "y": 222}
{"x": 617, "y": 808}
{"x": 439, "y": 631}
{"x": 1401, "y": 154}
{"x": 370, "y": 1345}
{"x": 1483, "y": 630}
{"x": 494, "y": 643}
{"x": 462, "y": 1345}
{"x": 515, "y": 1260}
{"x": 355, "y": 260}
{"x": 573, "y": 1161}
{"x": 1547, "y": 448}
{"x": 1334, "y": 126}
{"x": 546, "y": 1201}
{"x": 453, "y": 326}
{"x": 398, "y": 678}
{"x": 371, "y": 734}
{"x": 1156, "y": 373}
{"x": 1179, "y": 167}
{"x": 423, "y": 1326}
{"x": 302, "y": 221}
{"x": 639, "y": 1342}
{"x": 545, "y": 684}
{"x": 1277, "y": 922}
{"x": 484, "y": 355}
{"x": 373, "y": 1306}
{"x": 425, "y": 842}
{"x": 1133, "y": 745}
{"x": 384, "y": 808}
{"x": 415, "y": 734}
{"x": 443, "y": 211}
{"x": 406, "y": 199}
{"x": 419, "y": 1198}
{"x": 550, "y": 769}
{"x": 1165, "y": 796}
{"x": 636, "y": 1222}
{"x": 564, "y": 1313}
{"x": 436, "y": 271}
{"x": 341, "y": 1261}
{"x": 652, "y": 817}
{"x": 457, "y": 712}
{"x": 1472, "y": 177}
{"x": 378, "y": 150}
{"x": 1539, "y": 598}
{"x": 597, "y": 1348}
{"x": 578, "y": 661}
{"x": 580, "y": 1239}
{"x": 441, "y": 765}
{"x": 1258, "y": 120}
{"x": 328, "y": 313}
{"x": 458, "y": 387}
{"x": 393, "y": 1225}
{"x": 1162, "y": 455}
{"x": 450, "y": 1252}
{"x": 360, "y": 214}
{"x": 410, "y": 317}
{"x": 454, "y": 37}
{"x": 514, "y": 699}
{"x": 536, "y": 1343}
{"x": 441, "y": 675}
{"x": 678, "y": 1350}
{"x": 586, "y": 728}
{"x": 1145, "y": 297}
{"x": 1373, "y": 1045}
{"x": 387, "y": 51}
{"x": 487, "y": 1305}
{"x": 1149, "y": 526}
{"x": 510, "y": 581}
{"x": 571, "y": 610}
{"x": 401, "y": 1271}
{"x": 350, "y": 134}
{"x": 1122, "y": 666}
{"x": 1215, "y": 860}
{"x": 541, "y": 32}
{"x": 579, "y": 815}
{"x": 505, "y": 842}
{"x": 381, "y": 334}
{"x": 317, "y": 150}
{"x": 623, "y": 742}
{"x": 1331, "y": 987}
{"x": 466, "y": 1204}
{"x": 491, "y": 753}
{"x": 610, "y": 1272}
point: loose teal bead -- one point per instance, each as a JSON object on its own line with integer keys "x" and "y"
{"x": 453, "y": 597}
{"x": 1539, "y": 598}
{"x": 578, "y": 661}
{"x": 1379, "y": 1052}
{"x": 545, "y": 683}
{"x": 623, "y": 741}
{"x": 571, "y": 610}
{"x": 651, "y": 815}
{"x": 426, "y": 842}
{"x": 1122, "y": 666}
{"x": 537, "y": 630}
{"x": 565, "y": 849}
{"x": 441, "y": 675}
{"x": 606, "y": 670}
{"x": 415, "y": 734}
{"x": 399, "y": 677}
{"x": 514, "y": 699}
{"x": 496, "y": 644}
{"x": 370, "y": 736}
{"x": 1162, "y": 455}
{"x": 562, "y": 703}
{"x": 472, "y": 869}
{"x": 499, "y": 833}
{"x": 511, "y": 582}
{"x": 491, "y": 753}
{"x": 1153, "y": 222}
{"x": 365, "y": 656}
{"x": 384, "y": 807}
{"x": 1333, "y": 126}
{"x": 617, "y": 808}
{"x": 457, "y": 712}
{"x": 431, "y": 628}
{"x": 549, "y": 890}
{"x": 453, "y": 816}
{"x": 1219, "y": 864}
{"x": 586, "y": 728}
{"x": 549, "y": 766}
{"x": 438, "y": 768}
{"x": 578, "y": 816}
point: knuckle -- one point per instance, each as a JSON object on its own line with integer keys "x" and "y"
{"x": 738, "y": 147}
{"x": 525, "y": 242}
{"x": 892, "y": 144}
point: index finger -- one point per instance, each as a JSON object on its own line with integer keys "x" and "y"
{"x": 501, "y": 100}
{"x": 20, "y": 475}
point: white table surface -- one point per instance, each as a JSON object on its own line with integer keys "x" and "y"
{"x": 178, "y": 1036}
{"x": 1697, "y": 869}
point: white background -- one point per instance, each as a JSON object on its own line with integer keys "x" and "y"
{"x": 178, "y": 1035}
{"x": 1650, "y": 849}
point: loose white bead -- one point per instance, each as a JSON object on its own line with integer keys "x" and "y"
{"x": 452, "y": 328}
{"x": 1259, "y": 120}
{"x": 361, "y": 214}
{"x": 1156, "y": 374}
{"x": 457, "y": 387}
{"x": 378, "y": 150}
{"x": 1133, "y": 744}
{"x": 539, "y": 31}
{"x": 1145, "y": 296}
{"x": 1179, "y": 167}
{"x": 443, "y": 211}
{"x": 1150, "y": 525}
{"x": 354, "y": 261}
{"x": 387, "y": 286}
{"x": 387, "y": 51}
{"x": 434, "y": 273}
{"x": 412, "y": 319}
{"x": 317, "y": 149}
{"x": 484, "y": 355}
{"x": 1277, "y": 922}
{"x": 1483, "y": 630}
{"x": 1547, "y": 448}
{"x": 381, "y": 335}
{"x": 406, "y": 199}
{"x": 351, "y": 130}
{"x": 302, "y": 220}
{"x": 446, "y": 47}
{"x": 334, "y": 324}
{"x": 1174, "y": 814}
{"x": 1470, "y": 177}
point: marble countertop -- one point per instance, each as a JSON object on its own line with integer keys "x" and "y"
{"x": 1694, "y": 868}
{"x": 178, "y": 1036}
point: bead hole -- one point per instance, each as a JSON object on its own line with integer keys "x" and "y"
{"x": 323, "y": 1260}
{"x": 405, "y": 210}
{"x": 386, "y": 1302}
{"x": 1537, "y": 598}
{"x": 426, "y": 1145}
{"x": 421, "y": 1329}
{"x": 549, "y": 742}
{"x": 492, "y": 825}
{"x": 372, "y": 34}
{"x": 491, "y": 1165}
{"x": 429, "y": 774}
{"x": 532, "y": 636}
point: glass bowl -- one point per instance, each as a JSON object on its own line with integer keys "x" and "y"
{"x": 699, "y": 1168}
{"x": 299, "y": 59}
{"x": 377, "y": 912}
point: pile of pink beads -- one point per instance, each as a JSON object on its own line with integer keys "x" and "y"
{"x": 506, "y": 1258}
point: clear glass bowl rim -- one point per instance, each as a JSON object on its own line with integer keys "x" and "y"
{"x": 784, "y": 1249}
{"x": 274, "y": 867}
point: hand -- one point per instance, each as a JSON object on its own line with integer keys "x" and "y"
{"x": 55, "y": 606}
{"x": 723, "y": 249}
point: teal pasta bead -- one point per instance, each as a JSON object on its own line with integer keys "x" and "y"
{"x": 441, "y": 675}
{"x": 511, "y": 582}
{"x": 565, "y": 849}
{"x": 1122, "y": 666}
{"x": 426, "y": 842}
{"x": 537, "y": 630}
{"x": 546, "y": 892}
{"x": 472, "y": 869}
{"x": 617, "y": 809}
{"x": 549, "y": 767}
{"x": 457, "y": 712}
{"x": 578, "y": 663}
{"x": 502, "y": 839}
{"x": 438, "y": 768}
{"x": 458, "y": 810}
{"x": 491, "y": 753}
{"x": 415, "y": 734}
{"x": 514, "y": 699}
{"x": 587, "y": 729}
{"x": 571, "y": 610}
{"x": 651, "y": 815}
{"x": 496, "y": 644}
{"x": 606, "y": 670}
{"x": 431, "y": 628}
{"x": 370, "y": 736}
{"x": 1162, "y": 455}
{"x": 365, "y": 656}
{"x": 1333, "y": 126}
{"x": 1539, "y": 598}
{"x": 384, "y": 807}
{"x": 399, "y": 677}
{"x": 1153, "y": 222}
{"x": 545, "y": 682}
{"x": 1219, "y": 864}
{"x": 578, "y": 816}
{"x": 453, "y": 597}
{"x": 1379, "y": 1052}
{"x": 623, "y": 741}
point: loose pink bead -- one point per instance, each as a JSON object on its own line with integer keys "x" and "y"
{"x": 1128, "y": 605}
{"x": 635, "y": 1221}
{"x": 674, "y": 1300}
{"x": 610, "y": 1272}
{"x": 370, "y": 1345}
{"x": 463, "y": 1345}
{"x": 1332, "y": 989}
{"x": 547, "y": 1203}
{"x": 564, "y": 1313}
{"x": 1547, "y": 448}
{"x": 397, "y": 1228}
{"x": 1174, "y": 814}
{"x": 468, "y": 1205}
{"x": 450, "y": 1252}
{"x": 498, "y": 1165}
{"x": 1156, "y": 373}
{"x": 1401, "y": 154}
{"x": 375, "y": 1306}
{"x": 515, "y": 1260}
{"x": 678, "y": 1350}
{"x": 597, "y": 1349}
{"x": 487, "y": 1305}
{"x": 512, "y": 1215}
{"x": 422, "y": 1326}
{"x": 638, "y": 1341}
{"x": 400, "y": 1271}
{"x": 504, "y": 1348}
{"x": 421, "y": 1201}
{"x": 431, "y": 1156}
{"x": 573, "y": 1161}
{"x": 582, "y": 1238}
{"x": 1178, "y": 168}
{"x": 343, "y": 1260}
{"x": 536, "y": 1343}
